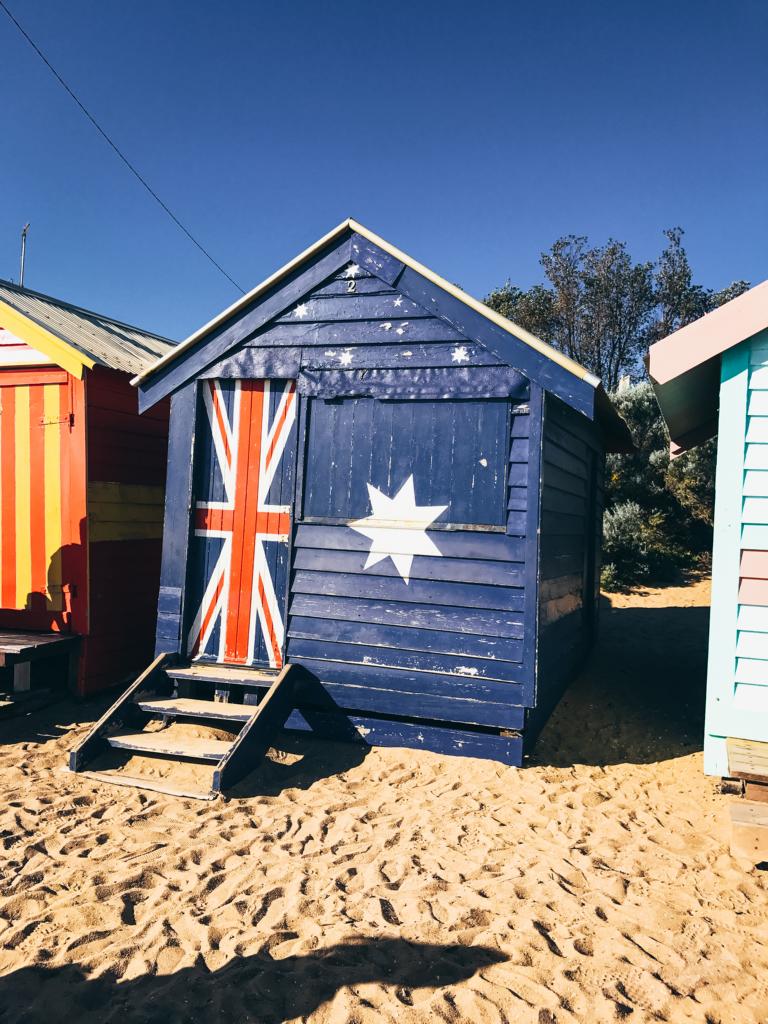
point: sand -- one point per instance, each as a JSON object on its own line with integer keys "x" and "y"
{"x": 594, "y": 885}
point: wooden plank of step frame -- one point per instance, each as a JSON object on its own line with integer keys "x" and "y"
{"x": 749, "y": 830}
{"x": 188, "y": 707}
{"x": 170, "y": 746}
{"x": 756, "y": 791}
{"x": 232, "y": 674}
{"x": 747, "y": 759}
{"x": 137, "y": 782}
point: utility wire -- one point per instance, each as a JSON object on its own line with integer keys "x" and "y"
{"x": 119, "y": 152}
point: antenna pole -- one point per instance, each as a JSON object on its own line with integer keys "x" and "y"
{"x": 23, "y": 254}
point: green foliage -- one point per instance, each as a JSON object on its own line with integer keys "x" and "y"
{"x": 637, "y": 548}
{"x": 603, "y": 309}
{"x": 675, "y": 497}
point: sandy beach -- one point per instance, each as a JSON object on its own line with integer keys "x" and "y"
{"x": 346, "y": 887}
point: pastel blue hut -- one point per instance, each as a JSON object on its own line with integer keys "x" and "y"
{"x": 711, "y": 377}
{"x": 383, "y": 517}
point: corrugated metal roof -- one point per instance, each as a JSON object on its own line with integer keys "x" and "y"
{"x": 105, "y": 341}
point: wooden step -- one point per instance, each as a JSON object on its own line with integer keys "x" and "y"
{"x": 137, "y": 782}
{"x": 230, "y": 675}
{"x": 170, "y": 746}
{"x": 188, "y": 707}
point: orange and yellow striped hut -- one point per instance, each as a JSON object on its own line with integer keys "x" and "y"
{"x": 81, "y": 484}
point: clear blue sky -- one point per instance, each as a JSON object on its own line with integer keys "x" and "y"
{"x": 469, "y": 133}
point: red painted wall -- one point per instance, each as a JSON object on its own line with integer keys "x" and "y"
{"x": 126, "y": 457}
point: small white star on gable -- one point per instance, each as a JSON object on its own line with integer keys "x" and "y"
{"x": 352, "y": 270}
{"x": 397, "y": 528}
{"x": 398, "y": 301}
{"x": 460, "y": 354}
{"x": 301, "y": 310}
{"x": 345, "y": 357}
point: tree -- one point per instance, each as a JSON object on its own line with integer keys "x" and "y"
{"x": 604, "y": 310}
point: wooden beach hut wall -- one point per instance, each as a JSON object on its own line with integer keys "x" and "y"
{"x": 81, "y": 494}
{"x": 374, "y": 476}
{"x": 711, "y": 377}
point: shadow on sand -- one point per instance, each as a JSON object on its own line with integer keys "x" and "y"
{"x": 640, "y": 698}
{"x": 254, "y": 989}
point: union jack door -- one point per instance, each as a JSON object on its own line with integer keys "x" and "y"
{"x": 242, "y": 500}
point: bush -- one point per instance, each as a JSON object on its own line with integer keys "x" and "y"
{"x": 637, "y": 548}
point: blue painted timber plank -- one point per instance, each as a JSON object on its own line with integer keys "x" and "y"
{"x": 519, "y": 449}
{"x": 555, "y": 500}
{"x": 532, "y": 554}
{"x": 358, "y": 332}
{"x": 390, "y": 657}
{"x": 462, "y": 620}
{"x": 453, "y": 544}
{"x": 518, "y": 523}
{"x": 363, "y": 285}
{"x": 282, "y": 363}
{"x": 441, "y": 740}
{"x": 535, "y": 365}
{"x": 407, "y": 638}
{"x": 402, "y": 704}
{"x": 426, "y": 592}
{"x": 374, "y": 260}
{"x": 554, "y": 455}
{"x": 518, "y": 499}
{"x": 402, "y": 355}
{"x": 242, "y": 324}
{"x": 418, "y": 382}
{"x": 521, "y": 425}
{"x": 337, "y": 308}
{"x": 564, "y": 481}
{"x": 458, "y": 570}
{"x": 517, "y": 475}
{"x": 178, "y": 504}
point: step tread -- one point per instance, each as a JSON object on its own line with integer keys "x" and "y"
{"x": 193, "y": 708}
{"x": 160, "y": 743}
{"x": 137, "y": 782}
{"x": 233, "y": 675}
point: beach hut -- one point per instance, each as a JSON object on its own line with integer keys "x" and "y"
{"x": 81, "y": 494}
{"x": 379, "y": 482}
{"x": 711, "y": 377}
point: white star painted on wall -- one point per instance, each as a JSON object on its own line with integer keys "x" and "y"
{"x": 352, "y": 270}
{"x": 398, "y": 301}
{"x": 460, "y": 354}
{"x": 345, "y": 357}
{"x": 397, "y": 528}
{"x": 301, "y": 310}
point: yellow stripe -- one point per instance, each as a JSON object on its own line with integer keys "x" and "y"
{"x": 23, "y": 504}
{"x": 124, "y": 511}
{"x": 52, "y": 455}
{"x": 41, "y": 339}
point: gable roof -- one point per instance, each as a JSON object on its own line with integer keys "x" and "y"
{"x": 685, "y": 366}
{"x": 554, "y": 370}
{"x": 77, "y": 338}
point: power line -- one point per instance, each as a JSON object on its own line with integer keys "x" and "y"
{"x": 117, "y": 150}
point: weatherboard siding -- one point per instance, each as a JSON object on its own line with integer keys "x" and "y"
{"x": 126, "y": 458}
{"x": 445, "y": 658}
{"x": 448, "y": 645}
{"x": 570, "y": 534}
{"x": 737, "y": 685}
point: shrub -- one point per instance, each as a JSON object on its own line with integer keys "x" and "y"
{"x": 637, "y": 548}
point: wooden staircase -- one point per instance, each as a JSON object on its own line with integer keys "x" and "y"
{"x": 252, "y": 703}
